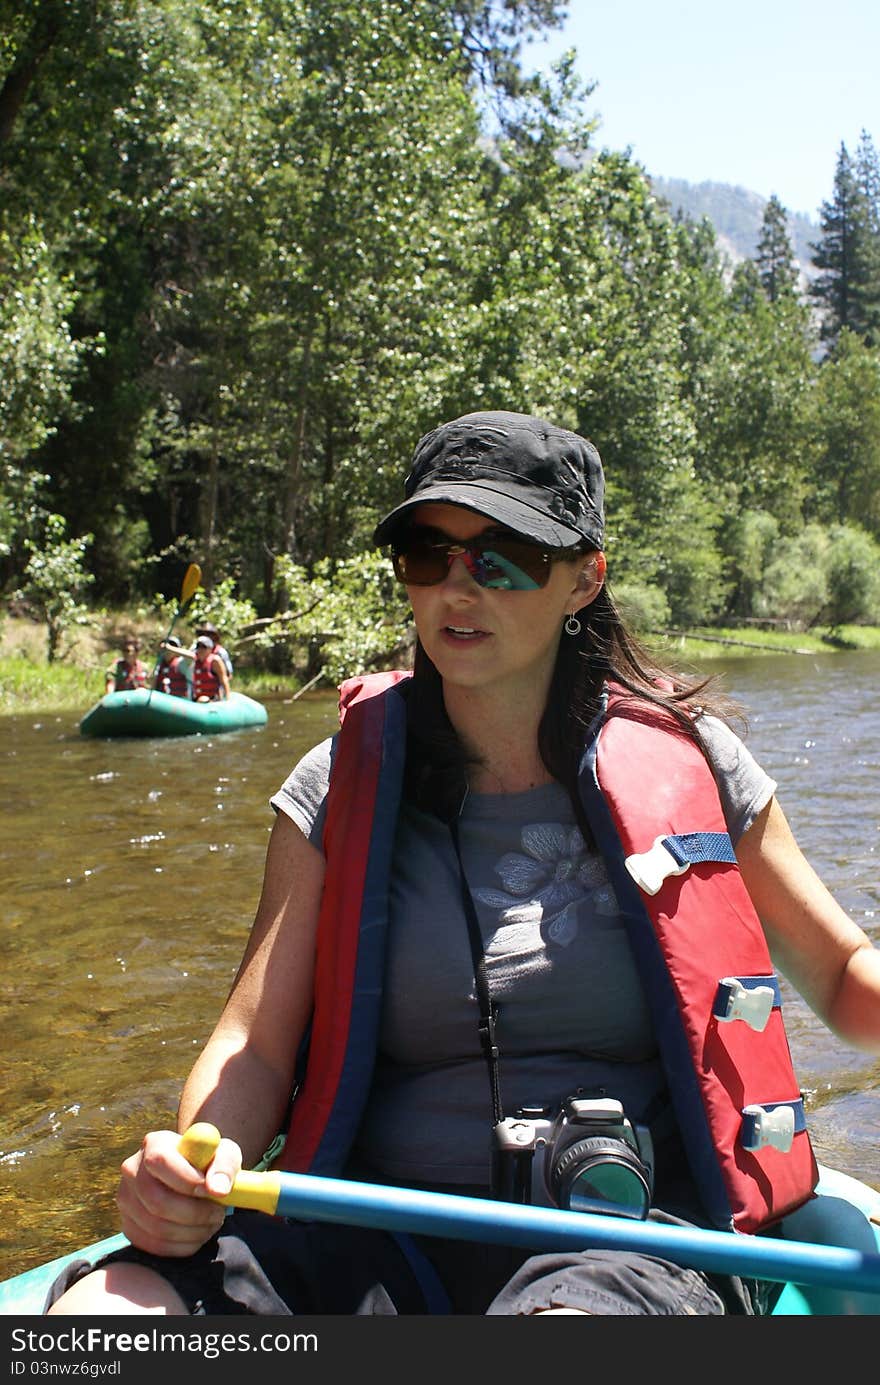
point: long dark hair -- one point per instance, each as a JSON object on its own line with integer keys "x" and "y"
{"x": 603, "y": 652}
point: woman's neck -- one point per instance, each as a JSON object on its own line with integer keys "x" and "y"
{"x": 502, "y": 738}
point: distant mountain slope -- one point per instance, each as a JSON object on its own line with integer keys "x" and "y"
{"x": 736, "y": 215}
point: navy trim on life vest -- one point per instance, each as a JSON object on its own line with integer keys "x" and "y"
{"x": 692, "y": 848}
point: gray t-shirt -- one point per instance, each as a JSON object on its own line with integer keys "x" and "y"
{"x": 572, "y": 1011}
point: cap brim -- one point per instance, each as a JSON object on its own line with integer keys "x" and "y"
{"x": 514, "y": 514}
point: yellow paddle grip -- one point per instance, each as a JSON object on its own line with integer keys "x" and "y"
{"x": 258, "y": 1191}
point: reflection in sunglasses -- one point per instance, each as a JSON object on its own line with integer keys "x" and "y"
{"x": 492, "y": 561}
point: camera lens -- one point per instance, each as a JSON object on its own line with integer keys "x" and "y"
{"x": 601, "y": 1175}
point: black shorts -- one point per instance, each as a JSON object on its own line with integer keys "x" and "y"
{"x": 270, "y": 1266}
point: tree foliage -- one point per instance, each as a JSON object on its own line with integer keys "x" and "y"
{"x": 250, "y": 250}
{"x": 848, "y": 253}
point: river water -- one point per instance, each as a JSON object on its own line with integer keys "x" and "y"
{"x": 131, "y": 871}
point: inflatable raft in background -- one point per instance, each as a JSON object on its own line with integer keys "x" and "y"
{"x": 146, "y": 712}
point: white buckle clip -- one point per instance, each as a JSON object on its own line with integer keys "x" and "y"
{"x": 737, "y": 1002}
{"x": 774, "y": 1128}
{"x": 649, "y": 869}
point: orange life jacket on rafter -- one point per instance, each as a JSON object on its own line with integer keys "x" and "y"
{"x": 652, "y": 803}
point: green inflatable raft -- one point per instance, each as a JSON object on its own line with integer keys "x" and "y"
{"x": 145, "y": 712}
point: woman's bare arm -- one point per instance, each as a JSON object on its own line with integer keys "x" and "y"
{"x": 813, "y": 941}
{"x": 243, "y": 1078}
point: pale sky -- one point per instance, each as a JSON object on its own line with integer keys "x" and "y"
{"x": 758, "y": 93}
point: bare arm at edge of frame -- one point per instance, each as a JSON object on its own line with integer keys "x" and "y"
{"x": 813, "y": 941}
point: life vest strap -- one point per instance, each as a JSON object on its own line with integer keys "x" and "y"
{"x": 673, "y": 855}
{"x": 749, "y": 998}
{"x": 772, "y": 1123}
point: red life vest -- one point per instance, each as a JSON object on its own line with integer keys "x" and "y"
{"x": 126, "y": 677}
{"x": 206, "y": 683}
{"x": 170, "y": 677}
{"x": 697, "y": 941}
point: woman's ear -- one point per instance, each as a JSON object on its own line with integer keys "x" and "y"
{"x": 589, "y": 581}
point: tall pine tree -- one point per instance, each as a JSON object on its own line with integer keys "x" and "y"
{"x": 867, "y": 288}
{"x": 848, "y": 253}
{"x": 774, "y": 257}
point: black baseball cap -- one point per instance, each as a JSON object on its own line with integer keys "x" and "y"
{"x": 541, "y": 481}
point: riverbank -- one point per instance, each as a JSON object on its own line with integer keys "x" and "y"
{"x": 29, "y": 683}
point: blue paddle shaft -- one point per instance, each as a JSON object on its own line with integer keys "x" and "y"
{"x": 373, "y": 1205}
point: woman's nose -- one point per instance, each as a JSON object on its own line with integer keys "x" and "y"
{"x": 459, "y": 576}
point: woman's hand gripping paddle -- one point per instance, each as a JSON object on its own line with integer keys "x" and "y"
{"x": 504, "y": 1223}
{"x": 258, "y": 1191}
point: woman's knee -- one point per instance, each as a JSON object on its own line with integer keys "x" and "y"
{"x": 120, "y": 1288}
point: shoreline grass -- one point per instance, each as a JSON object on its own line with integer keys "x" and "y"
{"x": 738, "y": 642}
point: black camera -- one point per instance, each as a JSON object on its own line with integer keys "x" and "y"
{"x": 588, "y": 1157}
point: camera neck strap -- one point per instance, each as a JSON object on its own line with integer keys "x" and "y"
{"x": 488, "y": 1008}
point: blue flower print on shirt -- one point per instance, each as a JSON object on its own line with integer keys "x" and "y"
{"x": 545, "y": 883}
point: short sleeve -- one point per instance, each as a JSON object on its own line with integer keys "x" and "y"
{"x": 303, "y": 795}
{"x": 744, "y": 787}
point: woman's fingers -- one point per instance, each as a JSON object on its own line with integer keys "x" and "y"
{"x": 169, "y": 1237}
{"x": 162, "y": 1198}
{"x": 223, "y": 1169}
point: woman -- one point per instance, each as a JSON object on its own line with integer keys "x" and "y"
{"x": 129, "y": 672}
{"x": 557, "y": 796}
{"x": 206, "y": 628}
{"x": 172, "y": 671}
{"x": 209, "y": 676}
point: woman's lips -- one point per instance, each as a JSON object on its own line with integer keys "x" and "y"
{"x": 463, "y": 634}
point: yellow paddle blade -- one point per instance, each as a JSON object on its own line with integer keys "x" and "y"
{"x": 191, "y": 579}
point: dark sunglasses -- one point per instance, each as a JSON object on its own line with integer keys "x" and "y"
{"x": 423, "y": 558}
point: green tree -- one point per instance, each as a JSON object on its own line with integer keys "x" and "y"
{"x": 867, "y": 169}
{"x": 755, "y": 414}
{"x": 846, "y": 430}
{"x": 774, "y": 255}
{"x": 38, "y": 363}
{"x": 54, "y": 580}
{"x": 847, "y": 287}
{"x": 750, "y": 543}
{"x": 853, "y": 577}
{"x": 795, "y": 581}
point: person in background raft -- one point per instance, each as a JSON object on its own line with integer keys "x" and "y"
{"x": 542, "y": 819}
{"x": 128, "y": 672}
{"x": 206, "y": 628}
{"x": 174, "y": 671}
{"x": 209, "y": 676}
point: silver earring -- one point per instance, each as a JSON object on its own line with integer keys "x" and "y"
{"x": 572, "y": 625}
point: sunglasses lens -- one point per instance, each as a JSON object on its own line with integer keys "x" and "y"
{"x": 420, "y": 563}
{"x": 513, "y": 566}
{"x": 503, "y": 564}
